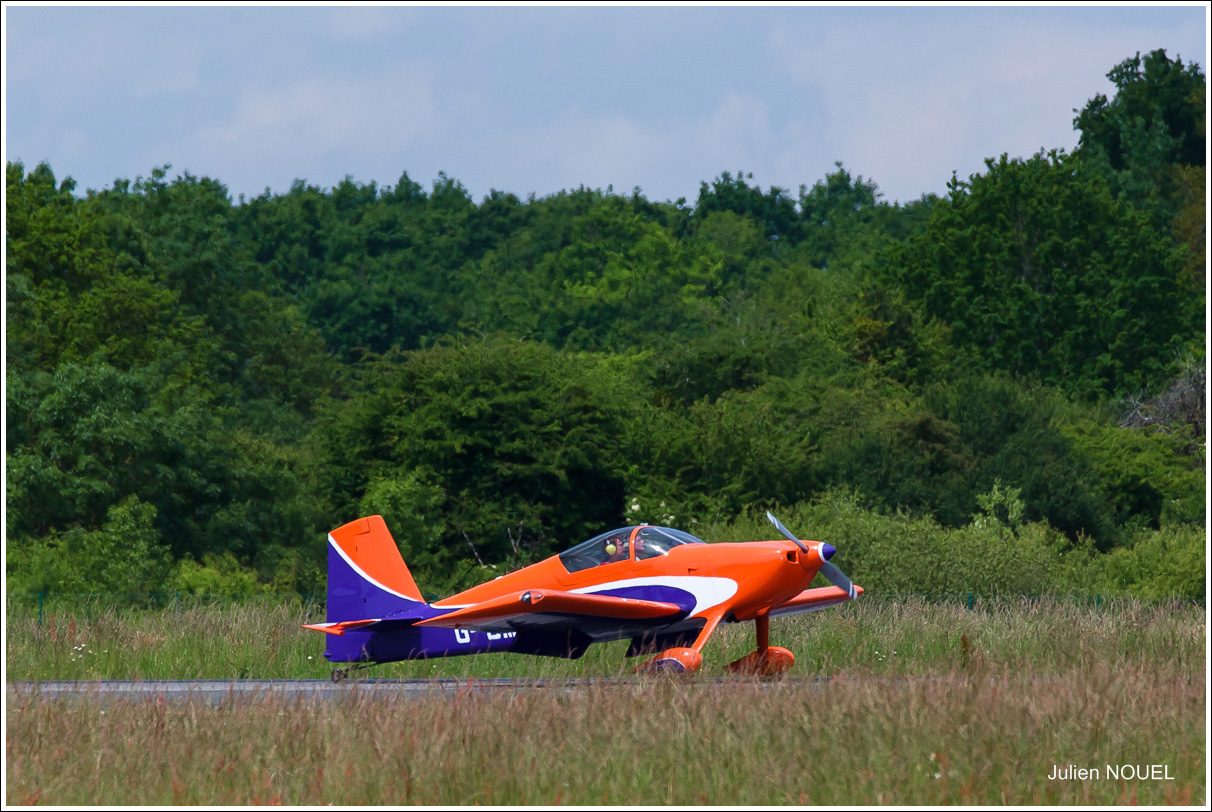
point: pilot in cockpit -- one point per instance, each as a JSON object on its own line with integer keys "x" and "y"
{"x": 615, "y": 548}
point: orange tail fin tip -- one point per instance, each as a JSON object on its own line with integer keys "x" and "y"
{"x": 368, "y": 545}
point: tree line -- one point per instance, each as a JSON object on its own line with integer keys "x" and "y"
{"x": 197, "y": 388}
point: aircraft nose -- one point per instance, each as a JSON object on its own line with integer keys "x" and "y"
{"x": 827, "y": 551}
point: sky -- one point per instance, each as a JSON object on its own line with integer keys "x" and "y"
{"x": 532, "y": 100}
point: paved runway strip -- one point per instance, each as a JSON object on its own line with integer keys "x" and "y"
{"x": 216, "y": 691}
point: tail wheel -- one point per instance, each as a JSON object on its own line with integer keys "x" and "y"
{"x": 339, "y": 674}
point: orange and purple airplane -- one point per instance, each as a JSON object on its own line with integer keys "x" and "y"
{"x": 663, "y": 589}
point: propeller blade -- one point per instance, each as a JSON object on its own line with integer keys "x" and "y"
{"x": 838, "y": 578}
{"x": 830, "y": 571}
{"x": 786, "y": 532}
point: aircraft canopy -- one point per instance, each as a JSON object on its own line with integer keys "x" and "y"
{"x": 637, "y": 542}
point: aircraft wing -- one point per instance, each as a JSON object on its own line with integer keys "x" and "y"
{"x": 550, "y": 609}
{"x": 810, "y": 600}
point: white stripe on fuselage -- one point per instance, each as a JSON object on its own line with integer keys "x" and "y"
{"x": 708, "y": 592}
{"x": 363, "y": 574}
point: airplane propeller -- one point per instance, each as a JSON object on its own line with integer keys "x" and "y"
{"x": 830, "y": 571}
{"x": 786, "y": 532}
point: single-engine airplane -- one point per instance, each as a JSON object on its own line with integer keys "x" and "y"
{"x": 664, "y": 589}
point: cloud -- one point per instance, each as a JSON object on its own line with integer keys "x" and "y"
{"x": 540, "y": 100}
{"x": 299, "y": 127}
{"x": 666, "y": 157}
{"x": 366, "y": 24}
{"x": 907, "y": 105}
{"x": 733, "y": 133}
{"x": 180, "y": 75}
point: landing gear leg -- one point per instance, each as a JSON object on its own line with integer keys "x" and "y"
{"x": 681, "y": 660}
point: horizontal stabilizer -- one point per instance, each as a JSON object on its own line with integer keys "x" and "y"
{"x": 397, "y": 621}
{"x": 340, "y": 628}
{"x": 811, "y": 600}
{"x": 511, "y": 611}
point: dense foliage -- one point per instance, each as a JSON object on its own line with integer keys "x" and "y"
{"x": 969, "y": 392}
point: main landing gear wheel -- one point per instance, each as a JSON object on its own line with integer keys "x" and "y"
{"x": 768, "y": 662}
{"x": 673, "y": 661}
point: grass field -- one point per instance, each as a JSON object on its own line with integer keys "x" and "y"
{"x": 873, "y": 635}
{"x": 914, "y": 715}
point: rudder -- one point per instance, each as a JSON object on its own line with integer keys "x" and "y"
{"x": 367, "y": 576}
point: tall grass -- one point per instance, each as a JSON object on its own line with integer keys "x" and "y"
{"x": 991, "y": 737}
{"x": 927, "y": 703}
{"x": 873, "y": 635}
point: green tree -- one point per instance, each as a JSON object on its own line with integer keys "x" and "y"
{"x": 123, "y": 556}
{"x": 1148, "y": 141}
{"x": 774, "y": 211}
{"x": 523, "y": 443}
{"x": 1012, "y": 433}
{"x": 1039, "y": 271}
{"x": 1154, "y": 92}
{"x": 833, "y": 211}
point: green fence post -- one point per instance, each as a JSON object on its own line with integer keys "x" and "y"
{"x": 1098, "y": 601}
{"x": 39, "y": 607}
{"x": 969, "y": 601}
